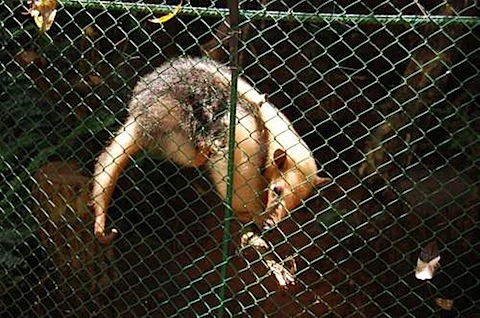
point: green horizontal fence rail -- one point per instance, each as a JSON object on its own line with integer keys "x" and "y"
{"x": 303, "y": 17}
{"x": 386, "y": 94}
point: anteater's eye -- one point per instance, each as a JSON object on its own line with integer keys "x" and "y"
{"x": 278, "y": 190}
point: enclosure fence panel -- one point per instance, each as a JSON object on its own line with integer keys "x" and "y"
{"x": 380, "y": 98}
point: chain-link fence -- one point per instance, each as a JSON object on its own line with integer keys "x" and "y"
{"x": 386, "y": 94}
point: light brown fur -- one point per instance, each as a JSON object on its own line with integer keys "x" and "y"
{"x": 265, "y": 141}
{"x": 290, "y": 169}
{"x": 155, "y": 123}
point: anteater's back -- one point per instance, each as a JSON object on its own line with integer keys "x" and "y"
{"x": 182, "y": 96}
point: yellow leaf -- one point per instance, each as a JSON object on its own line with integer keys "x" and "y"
{"x": 167, "y": 17}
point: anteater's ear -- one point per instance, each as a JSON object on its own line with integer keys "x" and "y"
{"x": 280, "y": 159}
{"x": 318, "y": 182}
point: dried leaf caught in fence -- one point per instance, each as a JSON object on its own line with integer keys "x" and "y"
{"x": 445, "y": 304}
{"x": 167, "y": 17}
{"x": 428, "y": 261}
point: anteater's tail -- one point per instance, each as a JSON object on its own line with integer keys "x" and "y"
{"x": 108, "y": 168}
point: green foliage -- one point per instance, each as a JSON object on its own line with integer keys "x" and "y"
{"x": 462, "y": 122}
{"x": 10, "y": 259}
{"x": 34, "y": 132}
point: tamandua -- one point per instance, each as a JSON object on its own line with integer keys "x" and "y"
{"x": 181, "y": 111}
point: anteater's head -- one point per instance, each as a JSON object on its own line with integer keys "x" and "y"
{"x": 290, "y": 183}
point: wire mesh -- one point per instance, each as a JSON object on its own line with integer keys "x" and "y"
{"x": 385, "y": 93}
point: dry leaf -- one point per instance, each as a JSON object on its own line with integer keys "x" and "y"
{"x": 43, "y": 13}
{"x": 167, "y": 17}
{"x": 426, "y": 270}
{"x": 445, "y": 304}
{"x": 428, "y": 261}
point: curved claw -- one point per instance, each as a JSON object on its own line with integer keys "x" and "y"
{"x": 106, "y": 238}
{"x": 268, "y": 224}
